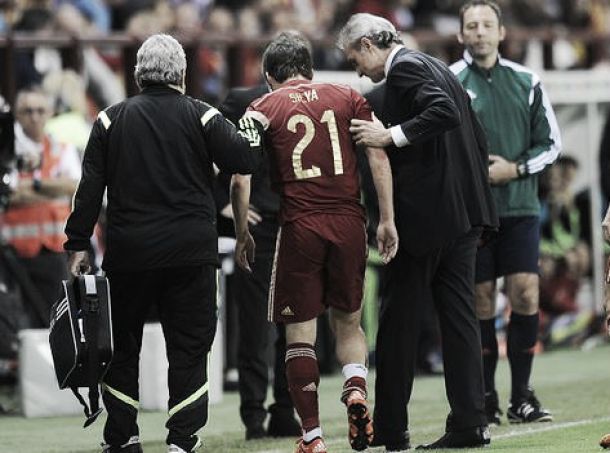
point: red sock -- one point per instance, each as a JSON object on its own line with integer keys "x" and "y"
{"x": 303, "y": 380}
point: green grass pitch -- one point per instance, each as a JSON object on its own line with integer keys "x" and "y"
{"x": 574, "y": 385}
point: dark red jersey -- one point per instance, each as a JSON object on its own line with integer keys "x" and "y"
{"x": 312, "y": 155}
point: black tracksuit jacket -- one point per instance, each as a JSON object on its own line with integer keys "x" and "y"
{"x": 154, "y": 153}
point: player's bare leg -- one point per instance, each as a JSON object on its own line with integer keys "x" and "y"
{"x": 303, "y": 380}
{"x": 352, "y": 352}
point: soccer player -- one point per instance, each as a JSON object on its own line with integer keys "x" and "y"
{"x": 250, "y": 293}
{"x": 321, "y": 246}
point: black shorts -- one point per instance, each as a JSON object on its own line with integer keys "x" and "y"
{"x": 515, "y": 248}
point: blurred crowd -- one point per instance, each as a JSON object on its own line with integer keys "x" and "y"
{"x": 316, "y": 17}
{"x": 575, "y": 25}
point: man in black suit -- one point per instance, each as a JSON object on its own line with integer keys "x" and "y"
{"x": 443, "y": 202}
{"x": 250, "y": 293}
{"x": 429, "y": 359}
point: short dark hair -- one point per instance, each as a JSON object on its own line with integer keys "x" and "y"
{"x": 472, "y": 3}
{"x": 288, "y": 55}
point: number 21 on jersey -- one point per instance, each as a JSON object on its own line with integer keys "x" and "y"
{"x": 297, "y": 164}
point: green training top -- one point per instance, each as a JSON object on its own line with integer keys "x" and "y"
{"x": 520, "y": 126}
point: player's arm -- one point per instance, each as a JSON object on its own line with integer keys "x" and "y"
{"x": 240, "y": 200}
{"x": 387, "y": 237}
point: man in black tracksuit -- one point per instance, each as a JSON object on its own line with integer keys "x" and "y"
{"x": 154, "y": 153}
{"x": 251, "y": 292}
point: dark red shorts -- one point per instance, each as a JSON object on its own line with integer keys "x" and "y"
{"x": 319, "y": 263}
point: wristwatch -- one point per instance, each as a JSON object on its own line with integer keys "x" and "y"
{"x": 522, "y": 169}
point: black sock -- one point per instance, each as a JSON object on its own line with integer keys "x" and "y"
{"x": 521, "y": 339}
{"x": 489, "y": 344}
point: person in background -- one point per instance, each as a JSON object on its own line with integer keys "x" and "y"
{"x": 154, "y": 155}
{"x": 565, "y": 256}
{"x": 523, "y": 138}
{"x": 320, "y": 255}
{"x": 32, "y": 224}
{"x": 250, "y": 292}
{"x": 443, "y": 203}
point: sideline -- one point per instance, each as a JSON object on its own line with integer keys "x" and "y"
{"x": 523, "y": 432}
{"x": 551, "y": 427}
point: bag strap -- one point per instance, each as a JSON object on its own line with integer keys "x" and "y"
{"x": 91, "y": 416}
{"x": 90, "y": 307}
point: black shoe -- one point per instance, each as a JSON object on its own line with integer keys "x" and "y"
{"x": 255, "y": 432}
{"x": 527, "y": 413}
{"x": 528, "y": 410}
{"x": 391, "y": 446}
{"x": 282, "y": 422}
{"x": 531, "y": 397}
{"x": 492, "y": 408}
{"x": 469, "y": 438}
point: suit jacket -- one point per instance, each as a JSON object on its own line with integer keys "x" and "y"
{"x": 262, "y": 197}
{"x": 441, "y": 178}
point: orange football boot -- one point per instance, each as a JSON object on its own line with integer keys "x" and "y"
{"x": 315, "y": 446}
{"x": 360, "y": 432}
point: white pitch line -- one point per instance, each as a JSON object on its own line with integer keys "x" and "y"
{"x": 527, "y": 432}
{"x": 549, "y": 427}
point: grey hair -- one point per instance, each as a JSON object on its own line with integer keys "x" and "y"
{"x": 379, "y": 30}
{"x": 160, "y": 59}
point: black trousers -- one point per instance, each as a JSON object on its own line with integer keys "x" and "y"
{"x": 445, "y": 276}
{"x": 185, "y": 298}
{"x": 251, "y": 295}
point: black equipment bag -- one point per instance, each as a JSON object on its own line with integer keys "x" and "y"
{"x": 81, "y": 338}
